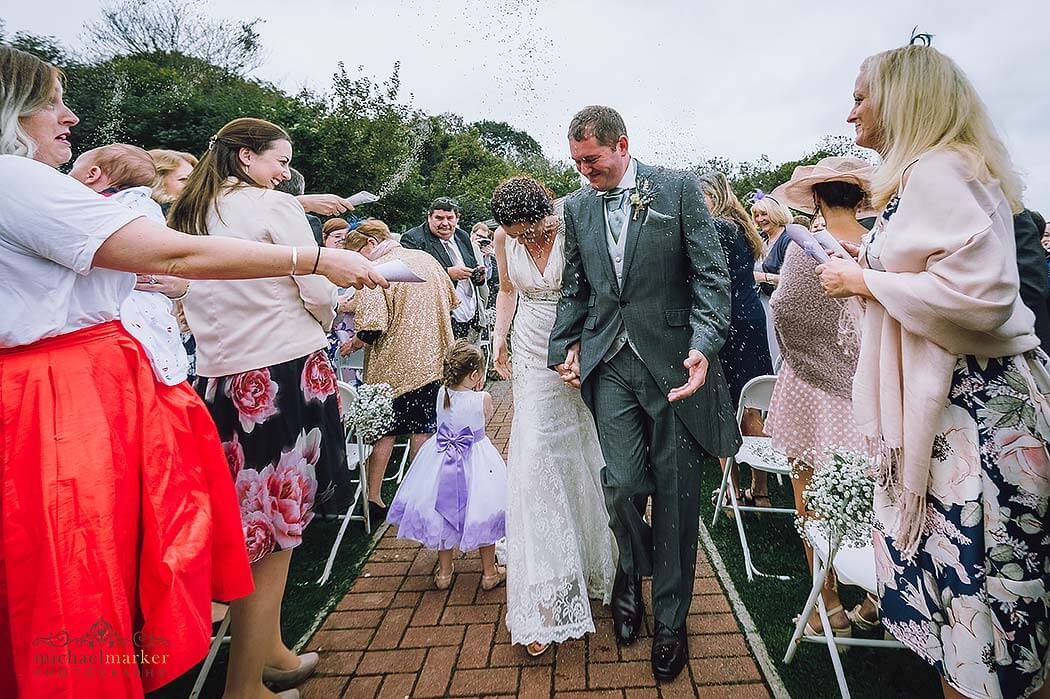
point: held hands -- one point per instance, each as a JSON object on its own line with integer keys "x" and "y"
{"x": 325, "y": 204}
{"x": 569, "y": 370}
{"x": 697, "y": 365}
{"x": 501, "y": 358}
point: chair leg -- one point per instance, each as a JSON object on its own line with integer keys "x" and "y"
{"x": 833, "y": 650}
{"x": 364, "y": 486}
{"x": 722, "y": 489}
{"x": 820, "y": 574}
{"x": 213, "y": 651}
{"x": 749, "y": 567}
{"x": 338, "y": 540}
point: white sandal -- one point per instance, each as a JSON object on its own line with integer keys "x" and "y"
{"x": 857, "y": 618}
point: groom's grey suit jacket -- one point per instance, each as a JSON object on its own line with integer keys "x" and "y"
{"x": 675, "y": 297}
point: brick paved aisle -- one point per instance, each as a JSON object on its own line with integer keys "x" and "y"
{"x": 394, "y": 635}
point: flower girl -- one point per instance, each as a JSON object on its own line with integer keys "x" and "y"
{"x": 454, "y": 494}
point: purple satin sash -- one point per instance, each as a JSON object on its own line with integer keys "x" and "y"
{"x": 452, "y": 481}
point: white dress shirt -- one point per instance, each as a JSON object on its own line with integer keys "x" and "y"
{"x": 51, "y": 226}
{"x": 468, "y": 300}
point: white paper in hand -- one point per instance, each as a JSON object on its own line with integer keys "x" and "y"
{"x": 397, "y": 271}
{"x": 363, "y": 198}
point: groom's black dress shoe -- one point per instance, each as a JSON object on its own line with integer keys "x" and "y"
{"x": 627, "y": 607}
{"x": 670, "y": 652}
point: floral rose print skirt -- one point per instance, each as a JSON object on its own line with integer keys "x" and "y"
{"x": 284, "y": 442}
{"x": 974, "y": 601}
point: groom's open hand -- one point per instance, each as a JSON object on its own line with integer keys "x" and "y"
{"x": 696, "y": 363}
{"x": 569, "y": 370}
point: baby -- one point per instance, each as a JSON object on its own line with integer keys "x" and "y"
{"x": 125, "y": 174}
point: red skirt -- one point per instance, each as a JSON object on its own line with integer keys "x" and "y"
{"x": 118, "y": 521}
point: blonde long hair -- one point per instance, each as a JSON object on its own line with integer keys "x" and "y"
{"x": 724, "y": 204}
{"x": 27, "y": 85}
{"x": 923, "y": 101}
{"x": 167, "y": 162}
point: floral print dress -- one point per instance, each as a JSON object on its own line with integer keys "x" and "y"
{"x": 284, "y": 442}
{"x": 974, "y": 600}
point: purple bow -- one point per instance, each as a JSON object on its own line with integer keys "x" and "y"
{"x": 452, "y": 481}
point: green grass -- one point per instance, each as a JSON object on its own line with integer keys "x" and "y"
{"x": 304, "y": 599}
{"x": 776, "y": 548}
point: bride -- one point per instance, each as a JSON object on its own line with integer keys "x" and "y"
{"x": 560, "y": 551}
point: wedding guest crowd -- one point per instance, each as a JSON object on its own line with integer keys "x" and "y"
{"x": 184, "y": 427}
{"x": 125, "y": 510}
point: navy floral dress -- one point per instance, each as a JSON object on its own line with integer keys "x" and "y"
{"x": 974, "y": 601}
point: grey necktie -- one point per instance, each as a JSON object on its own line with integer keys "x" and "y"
{"x": 614, "y": 212}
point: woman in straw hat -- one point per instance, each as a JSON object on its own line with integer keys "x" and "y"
{"x": 811, "y": 412}
{"x": 951, "y": 383}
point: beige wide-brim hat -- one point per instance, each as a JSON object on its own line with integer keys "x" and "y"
{"x": 798, "y": 191}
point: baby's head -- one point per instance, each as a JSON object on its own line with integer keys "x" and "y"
{"x": 117, "y": 166}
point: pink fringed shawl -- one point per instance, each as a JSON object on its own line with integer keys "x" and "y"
{"x": 943, "y": 273}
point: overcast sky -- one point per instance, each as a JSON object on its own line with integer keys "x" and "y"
{"x": 692, "y": 78}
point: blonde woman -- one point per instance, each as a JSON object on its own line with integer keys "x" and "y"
{"x": 745, "y": 353}
{"x": 950, "y": 382}
{"x": 173, "y": 169}
{"x": 772, "y": 218}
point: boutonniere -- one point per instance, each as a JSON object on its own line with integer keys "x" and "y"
{"x": 643, "y": 195}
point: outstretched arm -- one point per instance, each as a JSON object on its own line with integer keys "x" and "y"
{"x": 572, "y": 308}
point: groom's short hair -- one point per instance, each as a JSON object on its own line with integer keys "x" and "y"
{"x": 604, "y": 123}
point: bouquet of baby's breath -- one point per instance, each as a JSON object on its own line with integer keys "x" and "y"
{"x": 840, "y": 497}
{"x": 372, "y": 413}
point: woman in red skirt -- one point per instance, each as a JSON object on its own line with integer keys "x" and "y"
{"x": 118, "y": 517}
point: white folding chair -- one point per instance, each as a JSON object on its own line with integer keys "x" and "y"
{"x": 217, "y": 640}
{"x": 356, "y": 458}
{"x": 852, "y": 566}
{"x": 759, "y": 454}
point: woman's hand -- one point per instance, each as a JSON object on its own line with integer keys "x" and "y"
{"x": 852, "y": 248}
{"x": 842, "y": 279}
{"x": 348, "y": 268}
{"x": 172, "y": 287}
{"x": 346, "y": 302}
{"x": 325, "y": 204}
{"x": 501, "y": 357}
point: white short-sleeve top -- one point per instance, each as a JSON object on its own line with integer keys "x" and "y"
{"x": 51, "y": 226}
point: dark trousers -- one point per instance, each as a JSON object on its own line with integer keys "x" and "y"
{"x": 460, "y": 330}
{"x": 649, "y": 453}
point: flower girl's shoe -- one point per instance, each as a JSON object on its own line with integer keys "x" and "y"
{"x": 491, "y": 582}
{"x": 443, "y": 582}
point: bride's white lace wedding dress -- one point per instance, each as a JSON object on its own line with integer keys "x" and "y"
{"x": 560, "y": 551}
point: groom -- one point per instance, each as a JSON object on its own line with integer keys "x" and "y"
{"x": 643, "y": 313}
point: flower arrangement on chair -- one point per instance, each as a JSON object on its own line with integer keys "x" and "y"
{"x": 372, "y": 413}
{"x": 840, "y": 496}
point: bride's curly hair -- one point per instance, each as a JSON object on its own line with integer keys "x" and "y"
{"x": 521, "y": 200}
{"x": 461, "y": 360}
